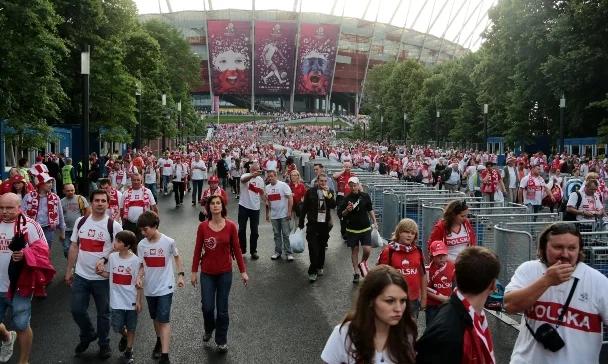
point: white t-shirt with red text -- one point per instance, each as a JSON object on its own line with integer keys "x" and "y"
{"x": 157, "y": 259}
{"x": 278, "y": 196}
{"x": 457, "y": 242}
{"x": 123, "y": 276}
{"x": 581, "y": 327}
{"x": 31, "y": 232}
{"x": 95, "y": 243}
{"x": 534, "y": 188}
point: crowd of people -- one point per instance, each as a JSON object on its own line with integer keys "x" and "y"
{"x": 117, "y": 255}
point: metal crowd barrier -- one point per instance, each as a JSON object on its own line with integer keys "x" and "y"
{"x": 408, "y": 202}
{"x": 388, "y": 215}
{"x": 595, "y": 249}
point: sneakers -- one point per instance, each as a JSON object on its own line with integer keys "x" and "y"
{"x": 275, "y": 256}
{"x": 7, "y": 347}
{"x": 320, "y": 272}
{"x": 355, "y": 278}
{"x": 255, "y": 256}
{"x": 222, "y": 348}
{"x": 289, "y": 258}
{"x": 156, "y": 352}
{"x": 84, "y": 345}
{"x": 122, "y": 345}
{"x": 312, "y": 278}
{"x": 128, "y": 357}
{"x": 164, "y": 359}
{"x": 206, "y": 337}
{"x": 104, "y": 352}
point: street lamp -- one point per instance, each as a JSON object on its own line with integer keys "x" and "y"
{"x": 179, "y": 120}
{"x": 404, "y": 121}
{"x": 381, "y": 123}
{"x": 164, "y": 103}
{"x": 562, "y": 107}
{"x": 138, "y": 129}
{"x": 437, "y": 116}
{"x": 85, "y": 70}
{"x": 485, "y": 123}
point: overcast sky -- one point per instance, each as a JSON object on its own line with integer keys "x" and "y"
{"x": 468, "y": 15}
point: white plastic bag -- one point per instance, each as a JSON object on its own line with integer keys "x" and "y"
{"x": 296, "y": 241}
{"x": 377, "y": 240}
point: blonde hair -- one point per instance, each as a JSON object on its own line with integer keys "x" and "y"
{"x": 591, "y": 176}
{"x": 403, "y": 226}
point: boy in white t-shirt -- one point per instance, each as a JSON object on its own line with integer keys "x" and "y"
{"x": 156, "y": 276}
{"x": 125, "y": 298}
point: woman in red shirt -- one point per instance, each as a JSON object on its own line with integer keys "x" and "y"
{"x": 217, "y": 242}
{"x": 298, "y": 189}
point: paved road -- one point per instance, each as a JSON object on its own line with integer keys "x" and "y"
{"x": 280, "y": 318}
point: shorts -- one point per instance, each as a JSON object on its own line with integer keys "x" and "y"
{"x": 160, "y": 307}
{"x": 354, "y": 239}
{"x": 21, "y": 310}
{"x": 122, "y": 318}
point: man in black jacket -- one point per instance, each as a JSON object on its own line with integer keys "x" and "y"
{"x": 460, "y": 333}
{"x": 316, "y": 207}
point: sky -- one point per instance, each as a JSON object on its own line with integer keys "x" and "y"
{"x": 466, "y": 18}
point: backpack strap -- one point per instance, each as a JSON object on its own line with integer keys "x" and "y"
{"x": 579, "y": 199}
{"x": 80, "y": 223}
{"x": 111, "y": 228}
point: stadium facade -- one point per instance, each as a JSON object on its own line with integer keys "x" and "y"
{"x": 294, "y": 61}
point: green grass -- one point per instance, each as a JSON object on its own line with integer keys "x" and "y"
{"x": 234, "y": 119}
{"x": 321, "y": 123}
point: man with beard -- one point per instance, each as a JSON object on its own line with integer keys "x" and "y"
{"x": 230, "y": 72}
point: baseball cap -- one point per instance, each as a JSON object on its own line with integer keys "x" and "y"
{"x": 354, "y": 180}
{"x": 213, "y": 179}
{"x": 438, "y": 247}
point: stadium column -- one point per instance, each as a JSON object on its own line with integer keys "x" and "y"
{"x": 295, "y": 60}
{"x": 252, "y": 56}
{"x": 208, "y": 54}
{"x": 369, "y": 56}
{"x": 333, "y": 74}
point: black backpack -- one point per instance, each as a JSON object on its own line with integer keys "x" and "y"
{"x": 570, "y": 216}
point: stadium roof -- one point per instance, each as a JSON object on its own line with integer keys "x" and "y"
{"x": 459, "y": 21}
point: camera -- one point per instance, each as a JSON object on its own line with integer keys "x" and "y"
{"x": 548, "y": 336}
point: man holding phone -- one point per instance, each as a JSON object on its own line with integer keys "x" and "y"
{"x": 252, "y": 192}
{"x": 564, "y": 302}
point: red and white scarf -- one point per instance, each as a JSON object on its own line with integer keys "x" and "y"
{"x": 144, "y": 202}
{"x": 480, "y": 328}
{"x": 52, "y": 201}
{"x": 113, "y": 205}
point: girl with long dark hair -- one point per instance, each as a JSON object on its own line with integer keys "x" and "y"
{"x": 380, "y": 329}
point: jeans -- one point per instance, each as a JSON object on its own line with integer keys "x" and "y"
{"x": 224, "y": 182}
{"x": 82, "y": 289}
{"x": 178, "y": 192}
{"x": 317, "y": 235}
{"x": 215, "y": 290}
{"x": 414, "y": 308}
{"x": 49, "y": 234}
{"x": 254, "y": 220}
{"x": 67, "y": 242}
{"x": 152, "y": 188}
{"x": 160, "y": 307}
{"x": 197, "y": 190}
{"x": 166, "y": 180}
{"x": 21, "y": 310}
{"x": 281, "y": 228}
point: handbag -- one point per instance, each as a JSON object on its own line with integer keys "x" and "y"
{"x": 546, "y": 334}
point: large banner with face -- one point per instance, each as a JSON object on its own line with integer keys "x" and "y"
{"x": 274, "y": 57}
{"x": 316, "y": 57}
{"x": 230, "y": 56}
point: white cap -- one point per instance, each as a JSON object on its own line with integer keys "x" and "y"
{"x": 354, "y": 180}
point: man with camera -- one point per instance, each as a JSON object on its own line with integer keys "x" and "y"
{"x": 564, "y": 302}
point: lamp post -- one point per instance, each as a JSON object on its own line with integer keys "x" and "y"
{"x": 562, "y": 107}
{"x": 138, "y": 129}
{"x": 179, "y": 121}
{"x": 381, "y": 122}
{"x": 85, "y": 70}
{"x": 404, "y": 121}
{"x": 437, "y": 116}
{"x": 164, "y": 102}
{"x": 485, "y": 124}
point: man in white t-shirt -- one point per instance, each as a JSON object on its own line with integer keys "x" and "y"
{"x": 252, "y": 191}
{"x": 531, "y": 189}
{"x": 586, "y": 204}
{"x": 540, "y": 289}
{"x": 166, "y": 166}
{"x": 278, "y": 211}
{"x": 135, "y": 201}
{"x": 199, "y": 175}
{"x": 91, "y": 243}
{"x": 21, "y": 307}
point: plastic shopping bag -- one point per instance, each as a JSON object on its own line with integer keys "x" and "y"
{"x": 377, "y": 240}
{"x": 296, "y": 241}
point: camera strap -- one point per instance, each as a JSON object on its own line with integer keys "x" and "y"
{"x": 562, "y": 313}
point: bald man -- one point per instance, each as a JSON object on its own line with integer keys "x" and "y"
{"x": 21, "y": 307}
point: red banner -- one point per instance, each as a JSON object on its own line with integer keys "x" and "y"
{"x": 230, "y": 56}
{"x": 316, "y": 57}
{"x": 274, "y": 57}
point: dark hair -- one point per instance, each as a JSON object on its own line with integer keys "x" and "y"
{"x": 99, "y": 192}
{"x": 318, "y": 165}
{"x": 208, "y": 206}
{"x": 362, "y": 329}
{"x": 289, "y": 160}
{"x": 558, "y": 229}
{"x": 451, "y": 210}
{"x": 148, "y": 219}
{"x": 127, "y": 238}
{"x": 22, "y": 162}
{"x": 476, "y": 269}
{"x": 104, "y": 181}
